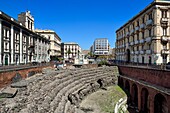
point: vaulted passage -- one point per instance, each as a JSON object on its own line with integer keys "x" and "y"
{"x": 134, "y": 95}
{"x": 160, "y": 104}
{"x": 144, "y": 100}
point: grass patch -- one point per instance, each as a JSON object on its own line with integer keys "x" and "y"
{"x": 109, "y": 99}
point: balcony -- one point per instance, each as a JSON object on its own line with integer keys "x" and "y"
{"x": 164, "y": 20}
{"x": 132, "y": 32}
{"x": 132, "y": 52}
{"x": 142, "y": 26}
{"x": 127, "y": 44}
{"x": 148, "y": 39}
{"x": 165, "y": 38}
{"x": 165, "y": 52}
{"x": 136, "y": 42}
{"x": 141, "y": 41}
{"x": 149, "y": 23}
{"x": 127, "y": 34}
{"x": 136, "y": 52}
{"x": 132, "y": 43}
{"x": 142, "y": 52}
{"x": 137, "y": 29}
{"x": 148, "y": 52}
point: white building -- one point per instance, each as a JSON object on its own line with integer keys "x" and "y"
{"x": 70, "y": 51}
{"x": 100, "y": 46}
{"x": 18, "y": 41}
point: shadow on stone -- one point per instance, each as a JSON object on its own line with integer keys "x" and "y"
{"x": 31, "y": 73}
{"x": 16, "y": 78}
{"x": 86, "y": 109}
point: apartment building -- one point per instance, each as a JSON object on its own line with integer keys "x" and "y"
{"x": 100, "y": 46}
{"x": 145, "y": 38}
{"x": 55, "y": 42}
{"x": 19, "y": 44}
{"x": 70, "y": 50}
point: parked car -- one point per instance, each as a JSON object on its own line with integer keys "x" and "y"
{"x": 168, "y": 65}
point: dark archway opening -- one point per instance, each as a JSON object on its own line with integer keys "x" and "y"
{"x": 127, "y": 90}
{"x": 120, "y": 82}
{"x": 160, "y": 104}
{"x": 144, "y": 100}
{"x": 134, "y": 95}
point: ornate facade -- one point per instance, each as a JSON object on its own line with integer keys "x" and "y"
{"x": 18, "y": 41}
{"x": 145, "y": 38}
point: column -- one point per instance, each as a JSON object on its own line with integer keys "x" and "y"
{"x": 37, "y": 49}
{"x": 21, "y": 48}
{"x": 41, "y": 51}
{"x": 28, "y": 50}
{"x": 0, "y": 42}
{"x": 12, "y": 44}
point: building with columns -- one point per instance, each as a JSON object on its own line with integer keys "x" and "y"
{"x": 55, "y": 42}
{"x": 18, "y": 41}
{"x": 146, "y": 37}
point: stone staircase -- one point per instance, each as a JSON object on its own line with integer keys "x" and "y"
{"x": 58, "y": 91}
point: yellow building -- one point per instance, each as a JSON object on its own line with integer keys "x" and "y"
{"x": 145, "y": 38}
{"x": 55, "y": 41}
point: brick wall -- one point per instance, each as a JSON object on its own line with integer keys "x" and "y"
{"x": 158, "y": 77}
{"x": 6, "y": 76}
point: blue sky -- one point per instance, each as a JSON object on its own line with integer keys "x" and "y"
{"x": 80, "y": 21}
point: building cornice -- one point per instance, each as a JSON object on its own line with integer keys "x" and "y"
{"x": 144, "y": 11}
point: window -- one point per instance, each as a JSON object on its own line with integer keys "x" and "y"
{"x": 6, "y": 46}
{"x": 150, "y": 32}
{"x": 164, "y": 13}
{"x": 143, "y": 19}
{"x": 150, "y": 16}
{"x": 4, "y": 32}
{"x": 143, "y": 35}
{"x": 164, "y": 31}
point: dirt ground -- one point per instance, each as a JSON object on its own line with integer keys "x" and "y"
{"x": 102, "y": 101}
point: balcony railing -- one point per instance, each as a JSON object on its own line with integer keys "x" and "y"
{"x": 127, "y": 44}
{"x": 142, "y": 26}
{"x": 164, "y": 20}
{"x": 136, "y": 52}
{"x": 132, "y": 52}
{"x": 148, "y": 39}
{"x": 165, "y": 52}
{"x": 132, "y": 32}
{"x": 165, "y": 38}
{"x": 137, "y": 29}
{"x": 142, "y": 52}
{"x": 127, "y": 33}
{"x": 136, "y": 42}
{"x": 149, "y": 22}
{"x": 141, "y": 41}
{"x": 148, "y": 51}
{"x": 132, "y": 43}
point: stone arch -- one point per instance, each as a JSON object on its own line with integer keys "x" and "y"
{"x": 134, "y": 95}
{"x": 127, "y": 86}
{"x": 160, "y": 104}
{"x": 120, "y": 81}
{"x": 144, "y": 100}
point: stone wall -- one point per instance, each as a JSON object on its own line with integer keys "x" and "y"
{"x": 157, "y": 77}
